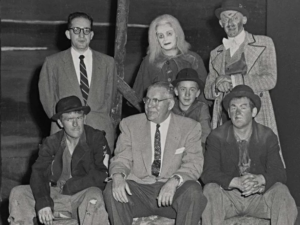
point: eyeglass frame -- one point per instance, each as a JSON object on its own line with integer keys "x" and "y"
{"x": 81, "y": 29}
{"x": 156, "y": 101}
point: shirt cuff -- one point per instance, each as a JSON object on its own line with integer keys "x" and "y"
{"x": 180, "y": 179}
{"x": 108, "y": 179}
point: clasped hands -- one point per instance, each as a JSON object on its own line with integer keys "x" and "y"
{"x": 223, "y": 83}
{"x": 249, "y": 184}
{"x": 120, "y": 189}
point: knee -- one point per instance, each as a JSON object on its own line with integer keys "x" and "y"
{"x": 19, "y": 191}
{"x": 211, "y": 190}
{"x": 194, "y": 190}
{"x": 94, "y": 193}
{"x": 281, "y": 190}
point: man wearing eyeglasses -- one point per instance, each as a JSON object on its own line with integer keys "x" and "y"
{"x": 157, "y": 162}
{"x": 82, "y": 72}
{"x": 68, "y": 177}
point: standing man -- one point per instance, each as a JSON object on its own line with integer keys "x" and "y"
{"x": 68, "y": 177}
{"x": 243, "y": 58}
{"x": 82, "y": 72}
{"x": 243, "y": 172}
{"x": 158, "y": 160}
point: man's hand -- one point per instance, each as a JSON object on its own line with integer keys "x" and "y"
{"x": 237, "y": 183}
{"x": 253, "y": 184}
{"x": 119, "y": 188}
{"x": 46, "y": 216}
{"x": 166, "y": 194}
{"x": 223, "y": 83}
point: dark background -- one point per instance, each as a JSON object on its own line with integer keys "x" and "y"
{"x": 34, "y": 23}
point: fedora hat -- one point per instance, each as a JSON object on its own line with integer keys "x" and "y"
{"x": 242, "y": 91}
{"x": 236, "y": 5}
{"x": 188, "y": 74}
{"x": 69, "y": 104}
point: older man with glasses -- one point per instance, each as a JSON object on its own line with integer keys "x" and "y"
{"x": 157, "y": 162}
{"x": 82, "y": 72}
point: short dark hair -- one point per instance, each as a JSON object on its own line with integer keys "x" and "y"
{"x": 162, "y": 84}
{"x": 74, "y": 15}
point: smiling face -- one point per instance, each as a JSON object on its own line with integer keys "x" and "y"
{"x": 241, "y": 112}
{"x": 232, "y": 22}
{"x": 187, "y": 92}
{"x": 166, "y": 37}
{"x": 80, "y": 42}
{"x": 158, "y": 112}
{"x": 73, "y": 124}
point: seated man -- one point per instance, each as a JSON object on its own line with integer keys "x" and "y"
{"x": 68, "y": 176}
{"x": 243, "y": 172}
{"x": 157, "y": 162}
{"x": 188, "y": 87}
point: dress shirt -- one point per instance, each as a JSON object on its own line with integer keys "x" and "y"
{"x": 88, "y": 61}
{"x": 233, "y": 43}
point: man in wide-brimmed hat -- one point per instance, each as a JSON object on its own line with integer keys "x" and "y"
{"x": 242, "y": 58}
{"x": 243, "y": 172}
{"x": 68, "y": 177}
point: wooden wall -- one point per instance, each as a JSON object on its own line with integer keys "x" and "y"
{"x": 41, "y": 24}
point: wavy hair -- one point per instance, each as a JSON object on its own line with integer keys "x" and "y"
{"x": 154, "y": 48}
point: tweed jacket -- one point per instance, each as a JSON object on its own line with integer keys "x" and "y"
{"x": 261, "y": 76}
{"x": 222, "y": 156}
{"x": 87, "y": 168}
{"x": 166, "y": 69}
{"x": 58, "y": 80}
{"x": 182, "y": 154}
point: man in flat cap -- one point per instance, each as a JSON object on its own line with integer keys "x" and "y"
{"x": 68, "y": 177}
{"x": 243, "y": 58}
{"x": 243, "y": 172}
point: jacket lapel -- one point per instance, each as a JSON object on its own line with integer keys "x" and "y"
{"x": 172, "y": 143}
{"x": 218, "y": 63}
{"x": 232, "y": 150}
{"x": 144, "y": 138}
{"x": 81, "y": 149}
{"x": 252, "y": 51}
{"x": 70, "y": 72}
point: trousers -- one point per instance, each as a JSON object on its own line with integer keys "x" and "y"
{"x": 86, "y": 206}
{"x": 187, "y": 207}
{"x": 275, "y": 204}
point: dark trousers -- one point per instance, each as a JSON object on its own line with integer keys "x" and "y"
{"x": 187, "y": 207}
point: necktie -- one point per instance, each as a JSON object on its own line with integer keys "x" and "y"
{"x": 244, "y": 159}
{"x": 157, "y": 152}
{"x": 84, "y": 83}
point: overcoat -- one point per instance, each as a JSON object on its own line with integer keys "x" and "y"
{"x": 261, "y": 76}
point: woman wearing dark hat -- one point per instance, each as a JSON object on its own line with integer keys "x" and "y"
{"x": 243, "y": 58}
{"x": 168, "y": 53}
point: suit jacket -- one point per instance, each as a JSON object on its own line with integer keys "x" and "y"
{"x": 58, "y": 80}
{"x": 261, "y": 76}
{"x": 182, "y": 154}
{"x": 87, "y": 168}
{"x": 222, "y": 156}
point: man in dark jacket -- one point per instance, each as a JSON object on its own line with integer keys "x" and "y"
{"x": 243, "y": 172}
{"x": 68, "y": 177}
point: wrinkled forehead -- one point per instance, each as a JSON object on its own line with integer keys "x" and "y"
{"x": 157, "y": 92}
{"x": 230, "y": 14}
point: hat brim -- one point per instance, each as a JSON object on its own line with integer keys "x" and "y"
{"x": 198, "y": 81}
{"x": 85, "y": 109}
{"x": 241, "y": 10}
{"x": 255, "y": 98}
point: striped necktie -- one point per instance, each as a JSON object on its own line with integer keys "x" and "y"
{"x": 84, "y": 83}
{"x": 157, "y": 153}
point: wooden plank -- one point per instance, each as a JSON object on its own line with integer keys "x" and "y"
{"x": 120, "y": 53}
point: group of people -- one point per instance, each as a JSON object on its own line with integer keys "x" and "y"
{"x": 173, "y": 160}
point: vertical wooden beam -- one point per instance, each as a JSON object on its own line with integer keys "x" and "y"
{"x": 120, "y": 53}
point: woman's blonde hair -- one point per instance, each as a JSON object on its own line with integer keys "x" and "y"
{"x": 154, "y": 48}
